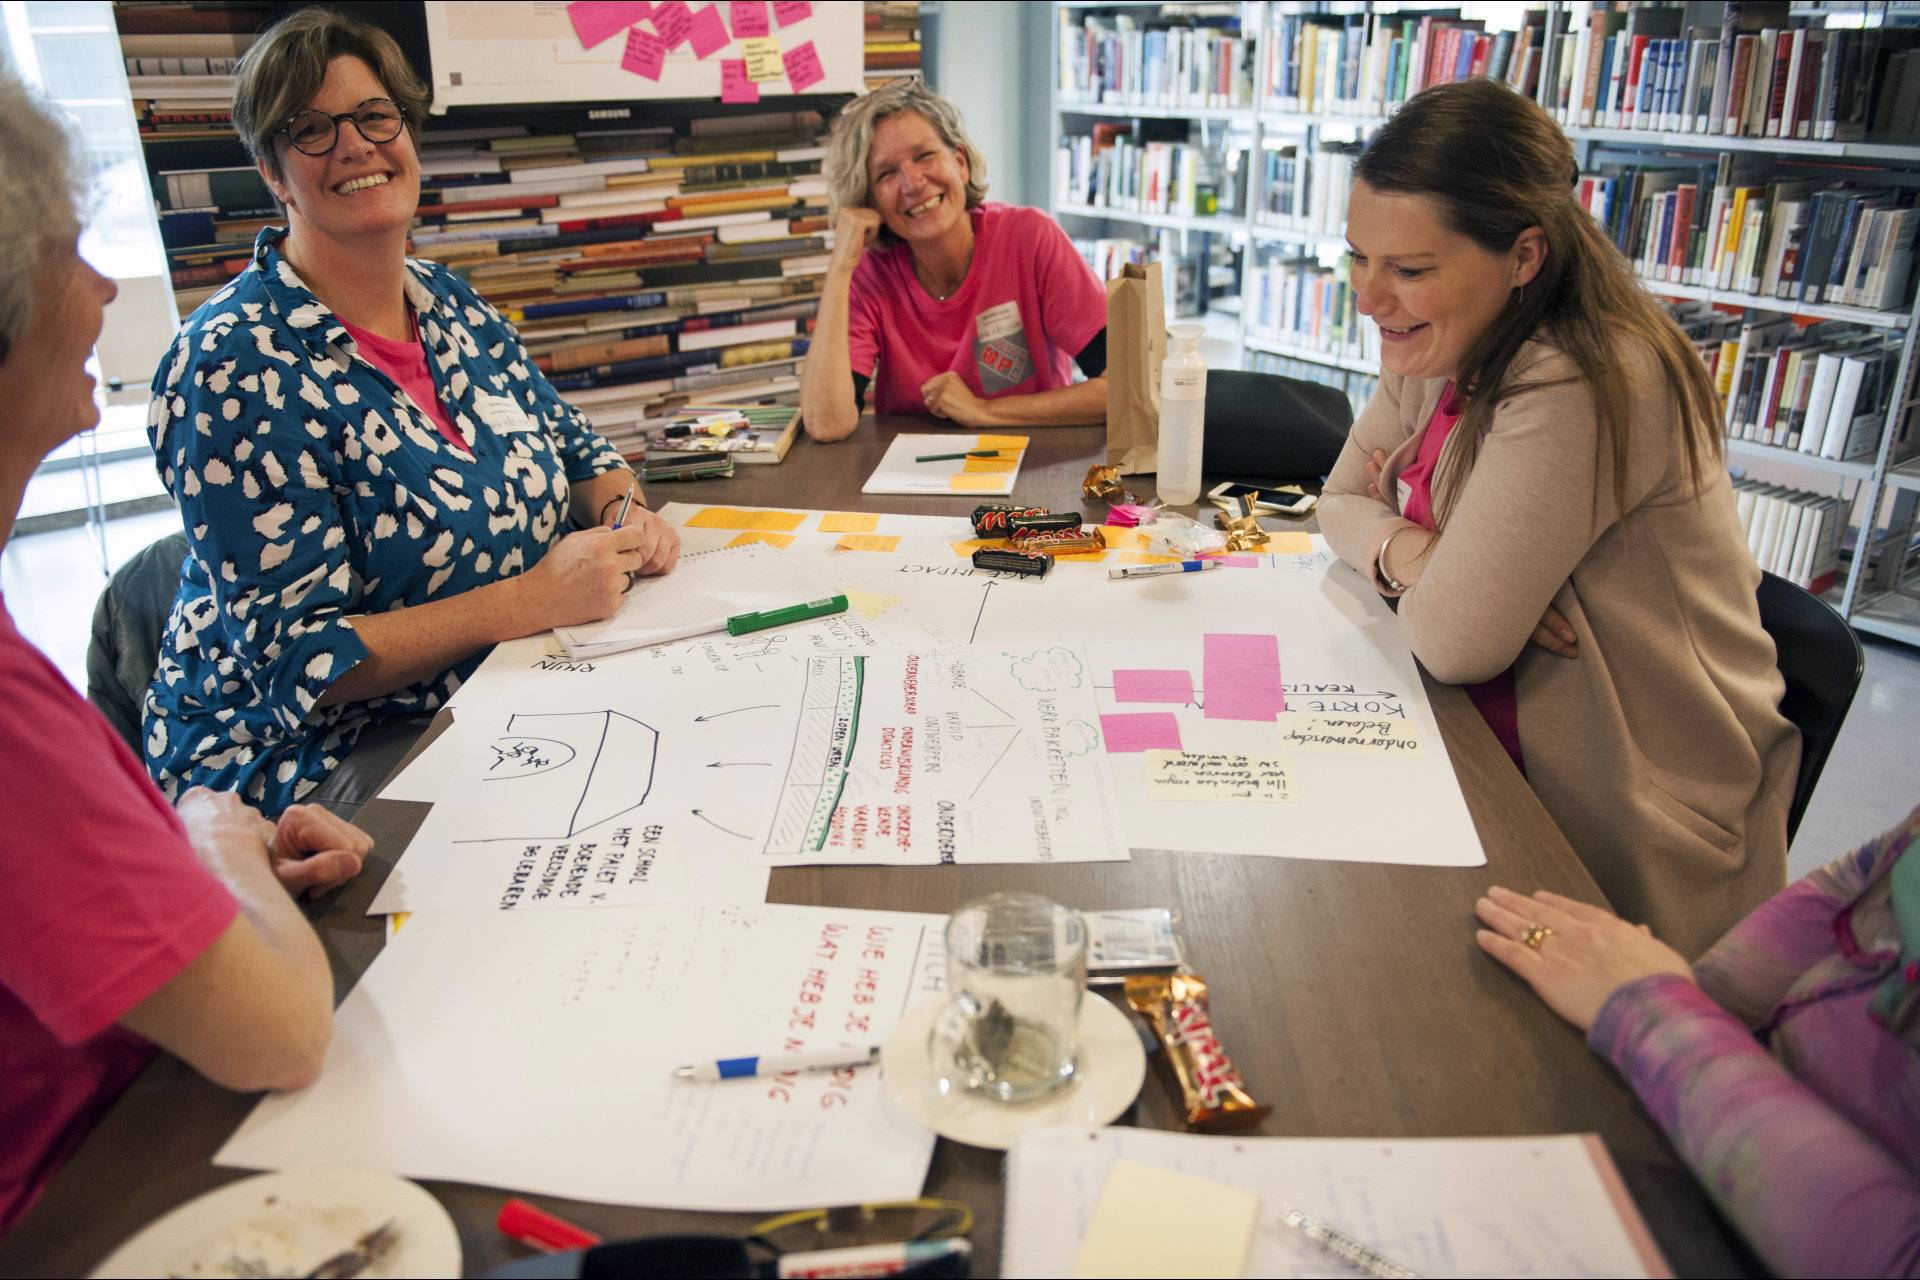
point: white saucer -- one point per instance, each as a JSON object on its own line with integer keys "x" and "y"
{"x": 288, "y": 1223}
{"x": 1111, "y": 1068}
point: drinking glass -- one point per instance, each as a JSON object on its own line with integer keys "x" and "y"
{"x": 1016, "y": 969}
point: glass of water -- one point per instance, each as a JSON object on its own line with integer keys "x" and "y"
{"x": 1016, "y": 969}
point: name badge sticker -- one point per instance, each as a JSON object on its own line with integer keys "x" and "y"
{"x": 502, "y": 414}
{"x": 1000, "y": 348}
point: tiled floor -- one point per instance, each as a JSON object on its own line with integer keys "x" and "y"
{"x": 51, "y": 581}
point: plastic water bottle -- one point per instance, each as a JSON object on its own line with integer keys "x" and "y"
{"x": 1183, "y": 415}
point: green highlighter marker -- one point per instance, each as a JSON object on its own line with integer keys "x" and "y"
{"x": 740, "y": 624}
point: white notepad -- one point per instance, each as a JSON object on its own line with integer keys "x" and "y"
{"x": 704, "y": 590}
{"x": 1549, "y": 1205}
{"x": 961, "y": 477}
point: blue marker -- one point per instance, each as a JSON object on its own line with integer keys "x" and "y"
{"x": 777, "y": 1064}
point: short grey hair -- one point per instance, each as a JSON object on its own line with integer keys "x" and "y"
{"x": 42, "y": 183}
{"x": 852, "y": 141}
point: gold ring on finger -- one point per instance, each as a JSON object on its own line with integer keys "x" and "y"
{"x": 1536, "y": 934}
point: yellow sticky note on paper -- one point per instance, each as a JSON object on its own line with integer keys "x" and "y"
{"x": 1090, "y": 557}
{"x": 732, "y": 518}
{"x": 975, "y": 483}
{"x": 1355, "y": 734}
{"x": 760, "y": 535}
{"x": 967, "y": 549}
{"x": 870, "y": 604}
{"x": 1146, "y": 557}
{"x": 1129, "y": 1234}
{"x": 849, "y": 522}
{"x": 868, "y": 542}
{"x": 1289, "y": 544}
{"x": 1002, "y": 442}
{"x": 1217, "y": 776}
{"x": 1120, "y": 539}
{"x": 989, "y": 466}
{"x": 763, "y": 59}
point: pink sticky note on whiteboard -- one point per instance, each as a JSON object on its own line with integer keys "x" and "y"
{"x": 674, "y": 21}
{"x": 788, "y": 12}
{"x": 1137, "y": 731}
{"x": 803, "y": 66}
{"x": 645, "y": 54}
{"x": 708, "y": 33}
{"x": 1152, "y": 686}
{"x": 749, "y": 19}
{"x": 595, "y": 20}
{"x": 734, "y": 85}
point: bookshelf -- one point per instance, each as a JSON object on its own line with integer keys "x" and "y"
{"x": 1327, "y": 74}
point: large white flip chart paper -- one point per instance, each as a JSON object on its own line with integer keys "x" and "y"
{"x": 534, "y": 1052}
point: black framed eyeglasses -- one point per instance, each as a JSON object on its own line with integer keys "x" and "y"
{"x": 314, "y": 133}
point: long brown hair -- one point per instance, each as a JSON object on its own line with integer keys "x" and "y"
{"x": 1495, "y": 164}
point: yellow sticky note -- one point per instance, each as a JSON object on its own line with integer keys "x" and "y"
{"x": 1002, "y": 442}
{"x": 1218, "y": 776}
{"x": 1091, "y": 557}
{"x": 975, "y": 484}
{"x": 1355, "y": 734}
{"x": 989, "y": 466}
{"x": 1129, "y": 1236}
{"x": 761, "y": 535}
{"x": 868, "y": 542}
{"x": 849, "y": 522}
{"x": 1125, "y": 539}
{"x": 1146, "y": 557}
{"x": 763, "y": 59}
{"x": 553, "y": 648}
{"x": 1289, "y": 544}
{"x": 870, "y": 604}
{"x": 398, "y": 920}
{"x": 731, "y": 518}
{"x": 968, "y": 548}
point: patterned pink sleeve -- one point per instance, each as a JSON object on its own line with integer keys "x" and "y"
{"x": 1811, "y": 1193}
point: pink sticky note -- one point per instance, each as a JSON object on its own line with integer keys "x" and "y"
{"x": 708, "y": 33}
{"x": 788, "y": 12}
{"x": 734, "y": 85}
{"x": 749, "y": 19}
{"x": 1137, "y": 731}
{"x": 645, "y": 54}
{"x": 1241, "y": 562}
{"x": 595, "y": 20}
{"x": 803, "y": 65}
{"x": 674, "y": 21}
{"x": 1152, "y": 686}
{"x": 1241, "y": 675}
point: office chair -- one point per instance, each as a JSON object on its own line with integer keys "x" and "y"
{"x": 127, "y": 622}
{"x": 1822, "y": 661}
{"x": 1262, "y": 426}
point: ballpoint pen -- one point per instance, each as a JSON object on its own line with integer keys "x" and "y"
{"x": 777, "y": 1064}
{"x": 1342, "y": 1245}
{"x": 1156, "y": 570}
{"x": 951, "y": 457}
{"x": 626, "y": 505}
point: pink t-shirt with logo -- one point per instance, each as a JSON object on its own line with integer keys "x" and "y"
{"x": 1029, "y": 304}
{"x": 406, "y": 364}
{"x": 1497, "y": 699}
{"x": 105, "y": 903}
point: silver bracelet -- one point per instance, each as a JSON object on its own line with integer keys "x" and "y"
{"x": 1380, "y": 562}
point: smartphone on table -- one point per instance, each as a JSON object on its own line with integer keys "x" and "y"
{"x": 1266, "y": 501}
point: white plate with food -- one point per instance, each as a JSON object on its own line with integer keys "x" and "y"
{"x": 303, "y": 1222}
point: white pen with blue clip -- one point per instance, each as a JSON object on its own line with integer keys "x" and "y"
{"x": 777, "y": 1064}
{"x": 1156, "y": 570}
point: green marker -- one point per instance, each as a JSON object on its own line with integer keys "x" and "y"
{"x": 949, "y": 457}
{"x": 740, "y": 624}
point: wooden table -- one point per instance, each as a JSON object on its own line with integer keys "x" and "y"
{"x": 1350, "y": 994}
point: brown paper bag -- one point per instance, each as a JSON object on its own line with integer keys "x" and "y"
{"x": 1136, "y": 346}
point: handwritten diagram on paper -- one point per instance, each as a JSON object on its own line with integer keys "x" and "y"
{"x": 959, "y": 755}
{"x": 547, "y": 1066}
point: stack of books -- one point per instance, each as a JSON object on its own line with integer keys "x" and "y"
{"x": 208, "y": 221}
{"x": 180, "y": 60}
{"x": 642, "y": 266}
{"x": 747, "y": 433}
{"x": 1183, "y": 60}
{"x": 893, "y": 40}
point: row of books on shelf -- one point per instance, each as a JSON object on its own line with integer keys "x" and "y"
{"x": 1110, "y": 170}
{"x": 1201, "y": 60}
{"x": 1716, "y": 225}
{"x": 1184, "y": 277}
{"x": 1792, "y": 533}
{"x": 1824, "y": 391}
{"x": 1304, "y": 305}
{"x": 1357, "y": 386}
{"x": 1304, "y": 188}
{"x": 1368, "y": 63}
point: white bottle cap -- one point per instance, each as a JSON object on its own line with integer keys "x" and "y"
{"x": 1187, "y": 335}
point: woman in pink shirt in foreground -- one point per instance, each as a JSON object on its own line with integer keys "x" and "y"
{"x": 129, "y": 924}
{"x": 942, "y": 302}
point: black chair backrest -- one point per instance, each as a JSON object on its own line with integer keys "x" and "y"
{"x": 1262, "y": 426}
{"x": 1822, "y": 661}
{"x": 125, "y": 646}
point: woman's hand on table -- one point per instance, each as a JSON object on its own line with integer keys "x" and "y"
{"x": 661, "y": 545}
{"x": 1587, "y": 955}
{"x": 313, "y": 849}
{"x": 584, "y": 576}
{"x": 948, "y": 396}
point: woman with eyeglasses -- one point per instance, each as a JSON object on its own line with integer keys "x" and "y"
{"x": 939, "y": 301}
{"x": 376, "y": 482}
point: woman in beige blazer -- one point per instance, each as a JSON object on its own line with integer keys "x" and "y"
{"x": 1566, "y": 543}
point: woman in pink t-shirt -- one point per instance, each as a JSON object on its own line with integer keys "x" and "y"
{"x": 942, "y": 302}
{"x": 128, "y": 924}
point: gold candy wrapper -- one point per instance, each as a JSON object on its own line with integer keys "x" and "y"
{"x": 1243, "y": 532}
{"x": 1060, "y": 543}
{"x": 1215, "y": 1096}
{"x": 1103, "y": 485}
